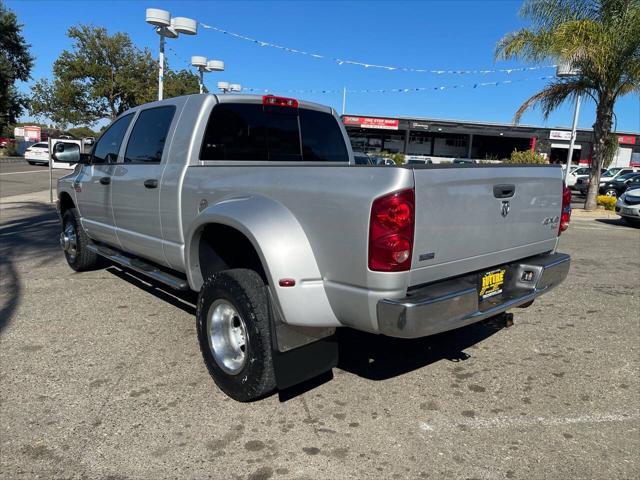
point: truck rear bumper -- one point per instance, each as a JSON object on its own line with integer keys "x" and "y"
{"x": 455, "y": 303}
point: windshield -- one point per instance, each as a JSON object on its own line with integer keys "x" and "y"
{"x": 626, "y": 176}
{"x": 611, "y": 172}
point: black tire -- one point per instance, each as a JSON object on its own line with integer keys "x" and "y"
{"x": 246, "y": 292}
{"x": 32, "y": 163}
{"x": 83, "y": 259}
{"x": 611, "y": 192}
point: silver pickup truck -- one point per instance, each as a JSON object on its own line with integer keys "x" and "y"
{"x": 256, "y": 203}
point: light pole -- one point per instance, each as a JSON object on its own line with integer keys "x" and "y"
{"x": 168, "y": 27}
{"x": 568, "y": 70}
{"x": 203, "y": 65}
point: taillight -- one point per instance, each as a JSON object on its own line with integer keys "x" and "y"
{"x": 279, "y": 101}
{"x": 391, "y": 232}
{"x": 565, "y": 216}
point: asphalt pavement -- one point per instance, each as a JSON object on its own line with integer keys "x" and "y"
{"x": 101, "y": 378}
{"x": 18, "y": 177}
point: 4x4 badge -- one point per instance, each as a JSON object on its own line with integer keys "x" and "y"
{"x": 505, "y": 208}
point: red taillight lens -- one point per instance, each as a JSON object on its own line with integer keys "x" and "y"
{"x": 391, "y": 232}
{"x": 565, "y": 216}
{"x": 279, "y": 101}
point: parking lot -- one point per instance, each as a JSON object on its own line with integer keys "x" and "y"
{"x": 101, "y": 377}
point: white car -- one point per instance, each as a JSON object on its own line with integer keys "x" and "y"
{"x": 628, "y": 206}
{"x": 575, "y": 173}
{"x": 615, "y": 172}
{"x": 38, "y": 153}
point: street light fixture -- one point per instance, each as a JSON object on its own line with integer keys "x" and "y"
{"x": 204, "y": 65}
{"x": 227, "y": 87}
{"x": 564, "y": 70}
{"x": 168, "y": 27}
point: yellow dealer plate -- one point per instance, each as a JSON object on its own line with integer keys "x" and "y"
{"x": 491, "y": 283}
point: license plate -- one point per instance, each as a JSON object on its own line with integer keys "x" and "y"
{"x": 628, "y": 211}
{"x": 491, "y": 283}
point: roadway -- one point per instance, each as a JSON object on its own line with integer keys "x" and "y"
{"x": 20, "y": 177}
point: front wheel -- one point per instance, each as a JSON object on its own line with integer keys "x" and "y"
{"x": 234, "y": 332}
{"x": 74, "y": 243}
{"x": 611, "y": 192}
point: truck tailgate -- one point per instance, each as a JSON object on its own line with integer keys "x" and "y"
{"x": 467, "y": 220}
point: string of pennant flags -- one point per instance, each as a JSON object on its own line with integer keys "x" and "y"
{"x": 398, "y": 90}
{"x": 343, "y": 61}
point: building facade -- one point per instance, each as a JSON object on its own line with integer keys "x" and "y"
{"x": 444, "y": 140}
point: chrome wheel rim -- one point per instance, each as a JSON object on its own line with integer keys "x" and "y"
{"x": 69, "y": 242}
{"x": 611, "y": 193}
{"x": 227, "y": 335}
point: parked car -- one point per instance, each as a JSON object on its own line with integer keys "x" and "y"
{"x": 383, "y": 161}
{"x": 613, "y": 173}
{"x": 4, "y": 142}
{"x": 252, "y": 202}
{"x": 463, "y": 161}
{"x": 628, "y": 206}
{"x": 38, "y": 153}
{"x": 362, "y": 159}
{"x": 419, "y": 161}
{"x": 582, "y": 183}
{"x": 619, "y": 185}
{"x": 575, "y": 173}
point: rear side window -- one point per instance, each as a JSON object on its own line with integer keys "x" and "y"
{"x": 108, "y": 146}
{"x": 253, "y": 132}
{"x": 149, "y": 135}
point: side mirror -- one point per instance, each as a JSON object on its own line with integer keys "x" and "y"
{"x": 65, "y": 152}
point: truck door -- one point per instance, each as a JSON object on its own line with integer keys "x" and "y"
{"x": 136, "y": 184}
{"x": 93, "y": 183}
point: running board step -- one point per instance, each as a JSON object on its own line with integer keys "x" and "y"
{"x": 140, "y": 266}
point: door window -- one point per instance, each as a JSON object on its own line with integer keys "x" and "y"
{"x": 108, "y": 146}
{"x": 149, "y": 135}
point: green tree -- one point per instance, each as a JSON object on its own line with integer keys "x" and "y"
{"x": 81, "y": 132}
{"x": 182, "y": 82}
{"x": 15, "y": 64}
{"x": 601, "y": 38}
{"x": 100, "y": 77}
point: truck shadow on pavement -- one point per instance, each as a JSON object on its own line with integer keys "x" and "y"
{"x": 32, "y": 238}
{"x": 377, "y": 357}
{"x": 374, "y": 357}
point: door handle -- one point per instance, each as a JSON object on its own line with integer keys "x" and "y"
{"x": 504, "y": 191}
{"x": 150, "y": 183}
{"x": 105, "y": 180}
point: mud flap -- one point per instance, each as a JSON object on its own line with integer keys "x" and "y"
{"x": 303, "y": 363}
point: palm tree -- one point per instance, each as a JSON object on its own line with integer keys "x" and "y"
{"x": 599, "y": 38}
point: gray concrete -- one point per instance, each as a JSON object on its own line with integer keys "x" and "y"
{"x": 101, "y": 377}
{"x": 19, "y": 177}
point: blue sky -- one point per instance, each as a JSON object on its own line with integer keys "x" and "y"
{"x": 439, "y": 35}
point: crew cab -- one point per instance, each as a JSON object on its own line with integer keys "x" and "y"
{"x": 257, "y": 204}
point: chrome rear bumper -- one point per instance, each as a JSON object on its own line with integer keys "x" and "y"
{"x": 455, "y": 303}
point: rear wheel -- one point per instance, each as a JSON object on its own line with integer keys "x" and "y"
{"x": 611, "y": 192}
{"x": 234, "y": 332}
{"x": 74, "y": 243}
